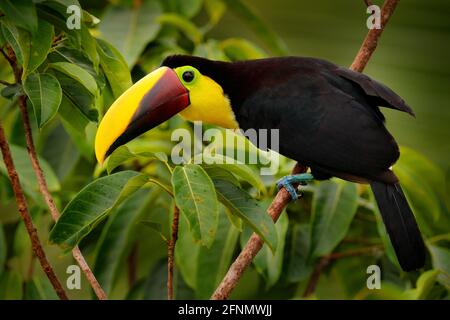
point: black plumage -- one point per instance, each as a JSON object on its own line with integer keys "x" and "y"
{"x": 328, "y": 119}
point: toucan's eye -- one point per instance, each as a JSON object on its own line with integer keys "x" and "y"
{"x": 188, "y": 76}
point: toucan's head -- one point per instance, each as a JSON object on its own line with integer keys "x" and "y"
{"x": 176, "y": 87}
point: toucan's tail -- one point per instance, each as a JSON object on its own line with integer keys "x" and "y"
{"x": 400, "y": 225}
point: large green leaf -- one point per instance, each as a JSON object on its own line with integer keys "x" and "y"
{"x": 273, "y": 42}
{"x": 115, "y": 237}
{"x": 78, "y": 74}
{"x": 196, "y": 198}
{"x": 333, "y": 208}
{"x": 131, "y": 29}
{"x": 44, "y": 92}
{"x": 298, "y": 266}
{"x": 203, "y": 268}
{"x": 92, "y": 204}
{"x": 215, "y": 10}
{"x": 40, "y": 44}
{"x": 267, "y": 263}
{"x": 189, "y": 29}
{"x": 114, "y": 67}
{"x": 240, "y": 203}
{"x": 22, "y": 12}
{"x": 39, "y": 289}
{"x": 26, "y": 173}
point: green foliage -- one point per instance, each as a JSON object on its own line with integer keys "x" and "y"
{"x": 121, "y": 214}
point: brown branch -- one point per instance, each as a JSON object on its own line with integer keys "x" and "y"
{"x": 132, "y": 265}
{"x": 78, "y": 256}
{"x": 368, "y": 2}
{"x": 25, "y": 214}
{"x": 171, "y": 252}
{"x": 282, "y": 198}
{"x": 371, "y": 41}
{"x": 76, "y": 252}
{"x": 325, "y": 261}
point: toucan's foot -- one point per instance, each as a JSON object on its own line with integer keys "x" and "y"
{"x": 288, "y": 182}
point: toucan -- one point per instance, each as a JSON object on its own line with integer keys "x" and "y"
{"x": 327, "y": 116}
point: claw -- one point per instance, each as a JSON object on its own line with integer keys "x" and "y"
{"x": 288, "y": 181}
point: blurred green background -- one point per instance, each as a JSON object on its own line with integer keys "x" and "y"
{"x": 412, "y": 58}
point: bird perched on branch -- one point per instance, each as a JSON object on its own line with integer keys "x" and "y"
{"x": 328, "y": 119}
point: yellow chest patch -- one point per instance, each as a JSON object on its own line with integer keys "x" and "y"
{"x": 209, "y": 104}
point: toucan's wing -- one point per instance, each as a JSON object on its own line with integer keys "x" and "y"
{"x": 324, "y": 121}
{"x": 378, "y": 92}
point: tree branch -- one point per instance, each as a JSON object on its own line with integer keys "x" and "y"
{"x": 23, "y": 210}
{"x": 282, "y": 198}
{"x": 171, "y": 252}
{"x": 78, "y": 256}
{"x": 76, "y": 252}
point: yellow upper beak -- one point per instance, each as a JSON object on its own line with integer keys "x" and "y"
{"x": 151, "y": 101}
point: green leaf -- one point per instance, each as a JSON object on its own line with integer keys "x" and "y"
{"x": 249, "y": 210}
{"x": 19, "y": 40}
{"x": 11, "y": 286}
{"x": 131, "y": 29}
{"x": 188, "y": 8}
{"x": 217, "y": 173}
{"x": 40, "y": 45}
{"x": 44, "y": 92}
{"x": 189, "y": 29}
{"x": 203, "y": 268}
{"x": 299, "y": 267}
{"x": 39, "y": 289}
{"x": 240, "y": 170}
{"x": 215, "y": 10}
{"x": 22, "y": 12}
{"x": 426, "y": 198}
{"x": 440, "y": 258}
{"x": 26, "y": 173}
{"x": 123, "y": 154}
{"x": 333, "y": 208}
{"x": 114, "y": 240}
{"x": 77, "y": 73}
{"x": 423, "y": 287}
{"x": 92, "y": 204}
{"x": 266, "y": 262}
{"x": 3, "y": 248}
{"x": 114, "y": 67}
{"x": 273, "y": 42}
{"x": 240, "y": 49}
{"x": 196, "y": 198}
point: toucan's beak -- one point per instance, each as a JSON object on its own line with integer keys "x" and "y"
{"x": 154, "y": 99}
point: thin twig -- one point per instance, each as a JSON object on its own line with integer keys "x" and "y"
{"x": 171, "y": 252}
{"x": 368, "y": 2}
{"x": 23, "y": 210}
{"x": 325, "y": 261}
{"x": 282, "y": 198}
